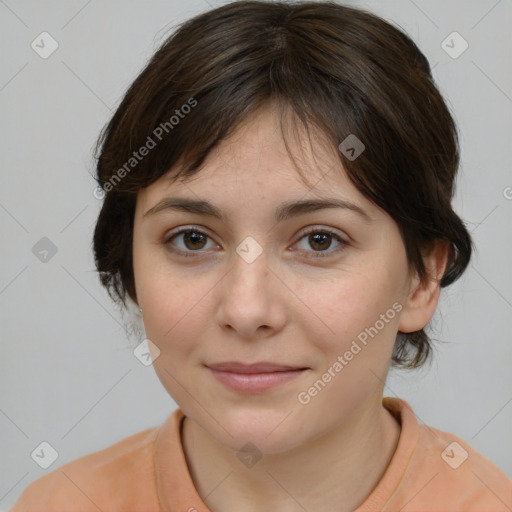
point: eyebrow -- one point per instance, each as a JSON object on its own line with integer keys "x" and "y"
{"x": 283, "y": 212}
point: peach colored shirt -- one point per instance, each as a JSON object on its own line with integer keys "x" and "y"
{"x": 148, "y": 472}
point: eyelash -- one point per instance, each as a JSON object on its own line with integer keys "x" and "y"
{"x": 319, "y": 254}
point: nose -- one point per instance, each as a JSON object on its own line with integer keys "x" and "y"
{"x": 250, "y": 302}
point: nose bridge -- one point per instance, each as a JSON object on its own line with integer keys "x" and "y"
{"x": 248, "y": 297}
{"x": 249, "y": 266}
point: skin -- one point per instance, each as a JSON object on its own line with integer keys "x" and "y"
{"x": 288, "y": 306}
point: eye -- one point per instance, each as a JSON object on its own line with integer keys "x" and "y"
{"x": 192, "y": 240}
{"x": 320, "y": 239}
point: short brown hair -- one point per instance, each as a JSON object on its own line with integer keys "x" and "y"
{"x": 340, "y": 69}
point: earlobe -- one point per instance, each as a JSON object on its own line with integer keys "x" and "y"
{"x": 423, "y": 297}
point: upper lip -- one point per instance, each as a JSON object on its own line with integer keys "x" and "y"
{"x": 261, "y": 367}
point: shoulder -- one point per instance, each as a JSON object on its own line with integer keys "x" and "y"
{"x": 437, "y": 471}
{"x": 93, "y": 481}
{"x": 458, "y": 476}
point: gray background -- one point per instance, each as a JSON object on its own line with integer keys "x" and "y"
{"x": 68, "y": 375}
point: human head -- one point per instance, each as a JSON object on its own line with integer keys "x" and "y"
{"x": 338, "y": 70}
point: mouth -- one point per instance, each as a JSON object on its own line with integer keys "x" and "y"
{"x": 254, "y": 377}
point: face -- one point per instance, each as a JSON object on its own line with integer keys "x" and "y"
{"x": 317, "y": 292}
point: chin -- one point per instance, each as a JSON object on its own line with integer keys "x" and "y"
{"x": 270, "y": 430}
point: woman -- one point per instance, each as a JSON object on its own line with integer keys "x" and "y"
{"x": 278, "y": 184}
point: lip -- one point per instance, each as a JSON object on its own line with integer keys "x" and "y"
{"x": 254, "y": 377}
{"x": 260, "y": 367}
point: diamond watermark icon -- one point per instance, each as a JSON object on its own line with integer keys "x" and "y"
{"x": 44, "y": 45}
{"x": 454, "y": 45}
{"x": 44, "y": 455}
{"x": 44, "y": 249}
{"x": 352, "y": 147}
{"x": 249, "y": 455}
{"x": 454, "y": 455}
{"x": 146, "y": 352}
{"x": 249, "y": 249}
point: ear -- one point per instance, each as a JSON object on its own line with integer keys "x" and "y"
{"x": 423, "y": 297}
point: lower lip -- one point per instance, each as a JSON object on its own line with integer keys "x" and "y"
{"x": 254, "y": 382}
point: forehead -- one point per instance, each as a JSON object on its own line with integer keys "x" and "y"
{"x": 255, "y": 160}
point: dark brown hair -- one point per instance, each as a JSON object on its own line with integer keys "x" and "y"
{"x": 338, "y": 69}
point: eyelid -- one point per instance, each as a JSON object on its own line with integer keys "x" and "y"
{"x": 315, "y": 228}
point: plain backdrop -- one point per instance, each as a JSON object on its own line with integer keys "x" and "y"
{"x": 68, "y": 375}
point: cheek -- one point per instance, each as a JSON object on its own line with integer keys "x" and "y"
{"x": 361, "y": 310}
{"x": 345, "y": 307}
{"x": 173, "y": 307}
{"x": 169, "y": 294}
{"x": 174, "y": 319}
{"x": 362, "y": 316}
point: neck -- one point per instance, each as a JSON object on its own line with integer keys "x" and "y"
{"x": 337, "y": 471}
